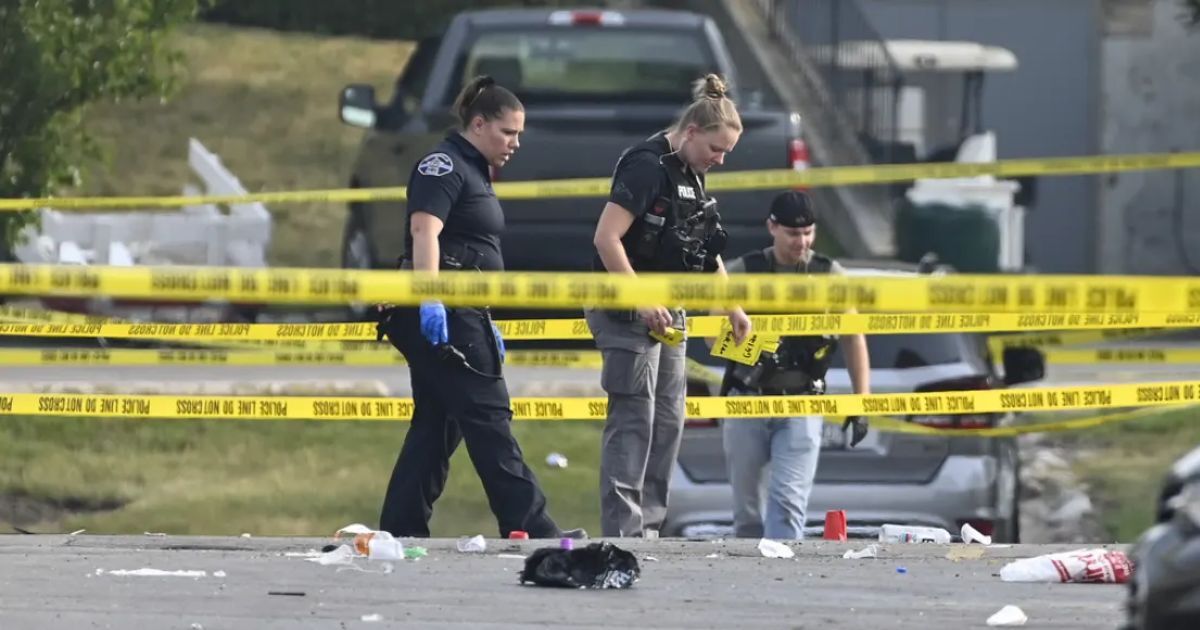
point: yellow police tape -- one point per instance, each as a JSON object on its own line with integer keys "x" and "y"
{"x": 1056, "y": 339}
{"x": 376, "y": 356}
{"x": 738, "y": 180}
{"x": 347, "y": 343}
{"x": 345, "y": 336}
{"x": 896, "y": 425}
{"x": 382, "y": 356}
{"x": 1121, "y": 298}
{"x": 350, "y": 408}
{"x": 1132, "y": 355}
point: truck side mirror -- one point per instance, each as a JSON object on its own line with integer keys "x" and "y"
{"x": 1022, "y": 365}
{"x": 356, "y": 105}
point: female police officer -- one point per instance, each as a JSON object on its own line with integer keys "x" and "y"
{"x": 455, "y": 354}
{"x": 657, "y": 219}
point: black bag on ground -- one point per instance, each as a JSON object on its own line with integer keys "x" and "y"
{"x": 599, "y": 565}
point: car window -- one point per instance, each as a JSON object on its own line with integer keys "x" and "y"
{"x": 593, "y": 64}
{"x": 416, "y": 73}
{"x": 907, "y": 351}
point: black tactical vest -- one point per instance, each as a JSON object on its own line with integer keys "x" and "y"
{"x": 682, "y": 229}
{"x": 799, "y": 365}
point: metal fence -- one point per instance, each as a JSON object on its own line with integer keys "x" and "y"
{"x": 863, "y": 79}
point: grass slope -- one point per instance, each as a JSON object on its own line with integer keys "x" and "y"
{"x": 266, "y": 103}
{"x": 265, "y": 478}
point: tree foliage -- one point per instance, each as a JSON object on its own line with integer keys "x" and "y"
{"x": 56, "y": 58}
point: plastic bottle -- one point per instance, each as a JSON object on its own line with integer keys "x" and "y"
{"x": 913, "y": 534}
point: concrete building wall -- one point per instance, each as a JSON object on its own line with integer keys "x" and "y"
{"x": 1047, "y": 107}
{"x": 1149, "y": 222}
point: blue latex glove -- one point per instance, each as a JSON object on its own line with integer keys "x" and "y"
{"x": 499, "y": 340}
{"x": 433, "y": 323}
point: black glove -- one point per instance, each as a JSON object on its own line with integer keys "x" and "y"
{"x": 860, "y": 426}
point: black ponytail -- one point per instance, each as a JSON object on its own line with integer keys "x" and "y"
{"x": 482, "y": 96}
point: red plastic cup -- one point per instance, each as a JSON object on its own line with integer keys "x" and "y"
{"x": 835, "y": 525}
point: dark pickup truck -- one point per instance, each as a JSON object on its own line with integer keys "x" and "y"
{"x": 592, "y": 82}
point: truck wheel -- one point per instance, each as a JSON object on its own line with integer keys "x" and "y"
{"x": 356, "y": 242}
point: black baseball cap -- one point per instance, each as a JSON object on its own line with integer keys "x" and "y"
{"x": 793, "y": 209}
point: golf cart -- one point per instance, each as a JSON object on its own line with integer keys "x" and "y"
{"x": 926, "y": 105}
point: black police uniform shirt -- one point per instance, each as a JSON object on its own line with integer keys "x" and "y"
{"x": 453, "y": 183}
{"x": 640, "y": 178}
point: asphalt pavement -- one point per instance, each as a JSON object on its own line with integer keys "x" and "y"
{"x": 62, "y": 583}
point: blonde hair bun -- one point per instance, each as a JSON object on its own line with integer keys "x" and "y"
{"x": 710, "y": 86}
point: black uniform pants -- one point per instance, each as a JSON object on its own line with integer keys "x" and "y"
{"x": 451, "y": 404}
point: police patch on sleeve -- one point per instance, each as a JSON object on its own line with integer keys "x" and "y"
{"x": 436, "y": 165}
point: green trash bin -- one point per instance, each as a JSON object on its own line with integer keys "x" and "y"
{"x": 966, "y": 237}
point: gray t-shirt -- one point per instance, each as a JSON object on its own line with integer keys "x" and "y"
{"x": 737, "y": 265}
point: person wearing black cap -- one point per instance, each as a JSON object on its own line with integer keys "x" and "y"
{"x": 790, "y": 447}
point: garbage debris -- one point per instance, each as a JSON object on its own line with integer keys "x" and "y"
{"x": 556, "y": 460}
{"x": 902, "y": 570}
{"x": 1082, "y": 565}
{"x": 835, "y": 525}
{"x": 517, "y": 534}
{"x": 160, "y": 534}
{"x": 288, "y": 593}
{"x": 77, "y": 532}
{"x": 599, "y": 565}
{"x": 415, "y": 553}
{"x": 649, "y": 558}
{"x": 913, "y": 534}
{"x": 511, "y": 556}
{"x": 970, "y": 535}
{"x": 773, "y": 549}
{"x": 1008, "y": 616}
{"x": 870, "y": 551}
{"x": 566, "y": 543}
{"x": 342, "y": 554}
{"x": 246, "y": 535}
{"x": 218, "y": 574}
{"x": 376, "y": 545}
{"x": 474, "y": 544}
{"x": 372, "y": 618}
{"x": 153, "y": 573}
{"x": 713, "y": 555}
